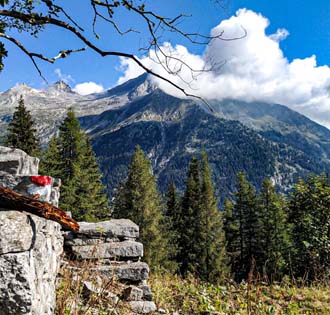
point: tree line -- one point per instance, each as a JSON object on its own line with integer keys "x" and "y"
{"x": 264, "y": 233}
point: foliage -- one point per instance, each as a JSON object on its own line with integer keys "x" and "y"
{"x": 71, "y": 158}
{"x": 242, "y": 229}
{"x": 172, "y": 221}
{"x": 21, "y": 132}
{"x": 190, "y": 209}
{"x": 310, "y": 216}
{"x": 141, "y": 202}
{"x": 192, "y": 296}
{"x": 274, "y": 232}
{"x": 210, "y": 232}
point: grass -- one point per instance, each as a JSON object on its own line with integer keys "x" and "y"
{"x": 191, "y": 296}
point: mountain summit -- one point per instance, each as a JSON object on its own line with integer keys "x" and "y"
{"x": 264, "y": 140}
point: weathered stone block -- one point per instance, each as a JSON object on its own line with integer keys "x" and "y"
{"x": 127, "y": 249}
{"x": 17, "y": 162}
{"x": 130, "y": 271}
{"x": 120, "y": 228}
{"x": 16, "y": 234}
{"x": 27, "y": 278}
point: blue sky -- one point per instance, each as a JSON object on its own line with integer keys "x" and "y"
{"x": 307, "y": 25}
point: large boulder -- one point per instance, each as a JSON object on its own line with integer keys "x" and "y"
{"x": 30, "y": 249}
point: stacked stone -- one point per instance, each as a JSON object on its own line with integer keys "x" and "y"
{"x": 113, "y": 251}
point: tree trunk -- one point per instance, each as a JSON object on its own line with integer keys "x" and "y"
{"x": 11, "y": 200}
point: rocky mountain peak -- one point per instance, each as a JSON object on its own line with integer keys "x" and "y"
{"x": 60, "y": 86}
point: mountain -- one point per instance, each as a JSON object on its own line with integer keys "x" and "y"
{"x": 264, "y": 140}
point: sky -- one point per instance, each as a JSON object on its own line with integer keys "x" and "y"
{"x": 283, "y": 58}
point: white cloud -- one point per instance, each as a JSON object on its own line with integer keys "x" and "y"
{"x": 86, "y": 88}
{"x": 67, "y": 78}
{"x": 130, "y": 69}
{"x": 253, "y": 68}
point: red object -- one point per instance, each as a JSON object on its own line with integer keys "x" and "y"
{"x": 41, "y": 180}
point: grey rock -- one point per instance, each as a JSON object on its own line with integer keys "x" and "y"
{"x": 113, "y": 228}
{"x": 161, "y": 311}
{"x": 127, "y": 249}
{"x": 143, "y": 307}
{"x": 16, "y": 234}
{"x": 83, "y": 241}
{"x": 9, "y": 180}
{"x": 17, "y": 162}
{"x": 124, "y": 271}
{"x": 147, "y": 293}
{"x": 132, "y": 293}
{"x": 27, "y": 277}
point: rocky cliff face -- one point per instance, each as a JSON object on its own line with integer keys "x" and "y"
{"x": 30, "y": 247}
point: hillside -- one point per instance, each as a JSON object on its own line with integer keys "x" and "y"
{"x": 260, "y": 139}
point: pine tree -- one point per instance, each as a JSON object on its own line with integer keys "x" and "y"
{"x": 310, "y": 218}
{"x": 171, "y": 218}
{"x": 210, "y": 232}
{"x": 21, "y": 132}
{"x": 243, "y": 229}
{"x": 70, "y": 143}
{"x": 274, "y": 236}
{"x": 71, "y": 158}
{"x": 190, "y": 208}
{"x": 141, "y": 202}
{"x": 92, "y": 202}
{"x": 50, "y": 159}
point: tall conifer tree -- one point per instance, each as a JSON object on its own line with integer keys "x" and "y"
{"x": 50, "y": 160}
{"x": 190, "y": 209}
{"x": 21, "y": 131}
{"x": 243, "y": 229}
{"x": 172, "y": 221}
{"x": 275, "y": 231}
{"x": 310, "y": 218}
{"x": 140, "y": 201}
{"x": 210, "y": 232}
{"x": 71, "y": 158}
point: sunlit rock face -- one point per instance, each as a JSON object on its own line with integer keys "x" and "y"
{"x": 30, "y": 246}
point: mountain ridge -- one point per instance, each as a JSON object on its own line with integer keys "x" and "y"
{"x": 265, "y": 140}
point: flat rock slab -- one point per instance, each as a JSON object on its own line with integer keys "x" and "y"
{"x": 16, "y": 232}
{"x": 127, "y": 249}
{"x": 121, "y": 228}
{"x": 131, "y": 271}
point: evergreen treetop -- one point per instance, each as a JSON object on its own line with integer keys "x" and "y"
{"x": 21, "y": 131}
{"x": 141, "y": 202}
{"x": 71, "y": 158}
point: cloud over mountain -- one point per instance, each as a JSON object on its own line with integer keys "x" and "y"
{"x": 253, "y": 68}
{"x": 86, "y": 88}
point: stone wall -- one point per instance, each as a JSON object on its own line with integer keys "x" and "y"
{"x": 113, "y": 253}
{"x": 30, "y": 246}
{"x": 31, "y": 252}
{"x": 30, "y": 249}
